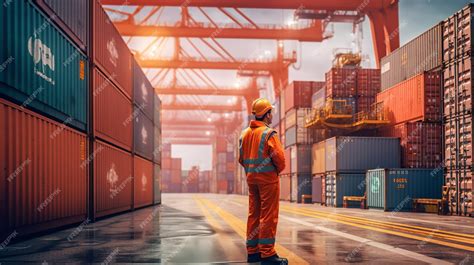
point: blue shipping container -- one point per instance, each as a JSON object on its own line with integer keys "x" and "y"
{"x": 394, "y": 189}
{"x": 339, "y": 185}
{"x": 300, "y": 185}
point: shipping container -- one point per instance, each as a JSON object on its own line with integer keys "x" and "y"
{"x": 176, "y": 177}
{"x": 394, "y": 189}
{"x": 157, "y": 110}
{"x": 285, "y": 187}
{"x": 458, "y": 152}
{"x": 416, "y": 99}
{"x": 287, "y": 169}
{"x": 112, "y": 124}
{"x": 142, "y": 182}
{"x": 421, "y": 143}
{"x": 460, "y": 190}
{"x": 157, "y": 145}
{"x": 71, "y": 16}
{"x": 222, "y": 186}
{"x": 111, "y": 53}
{"x": 423, "y": 53}
{"x": 368, "y": 82}
{"x": 276, "y": 112}
{"x": 143, "y": 91}
{"x": 41, "y": 69}
{"x": 157, "y": 184}
{"x": 341, "y": 82}
{"x": 45, "y": 181}
{"x": 318, "y": 100}
{"x": 457, "y": 76}
{"x": 352, "y": 154}
{"x": 113, "y": 179}
{"x": 143, "y": 138}
{"x": 300, "y": 156}
{"x": 339, "y": 185}
{"x": 297, "y": 133}
{"x": 298, "y": 95}
{"x": 317, "y": 190}
{"x": 317, "y": 86}
{"x": 300, "y": 185}
{"x": 457, "y": 35}
{"x": 318, "y": 158}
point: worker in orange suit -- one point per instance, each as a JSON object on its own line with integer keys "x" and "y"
{"x": 262, "y": 156}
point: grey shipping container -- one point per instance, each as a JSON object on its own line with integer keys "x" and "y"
{"x": 358, "y": 154}
{"x": 318, "y": 99}
{"x": 142, "y": 90}
{"x": 317, "y": 187}
{"x": 40, "y": 68}
{"x": 300, "y": 156}
{"x": 143, "y": 138}
{"x": 339, "y": 185}
{"x": 395, "y": 188}
{"x": 300, "y": 185}
{"x": 72, "y": 16}
{"x": 157, "y": 184}
{"x": 421, "y": 54}
{"x": 298, "y": 135}
{"x": 276, "y": 112}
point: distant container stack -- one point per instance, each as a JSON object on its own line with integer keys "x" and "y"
{"x": 458, "y": 75}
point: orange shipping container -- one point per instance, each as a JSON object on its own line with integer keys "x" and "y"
{"x": 416, "y": 99}
{"x": 44, "y": 172}
{"x": 287, "y": 168}
{"x": 142, "y": 182}
{"x": 285, "y": 187}
{"x": 222, "y": 186}
{"x": 112, "y": 179}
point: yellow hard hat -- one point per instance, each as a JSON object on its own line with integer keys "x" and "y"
{"x": 261, "y": 106}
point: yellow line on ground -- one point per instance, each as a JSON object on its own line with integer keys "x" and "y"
{"x": 240, "y": 227}
{"x": 465, "y": 238}
{"x": 424, "y": 239}
{"x": 210, "y": 219}
{"x": 429, "y": 232}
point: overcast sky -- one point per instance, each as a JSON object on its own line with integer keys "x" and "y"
{"x": 416, "y": 16}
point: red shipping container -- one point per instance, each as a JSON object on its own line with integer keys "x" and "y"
{"x": 365, "y": 103}
{"x": 166, "y": 163}
{"x": 176, "y": 163}
{"x": 459, "y": 103}
{"x": 298, "y": 95}
{"x": 176, "y": 177}
{"x": 368, "y": 82}
{"x": 341, "y": 82}
{"x": 416, "y": 99}
{"x": 222, "y": 186}
{"x": 421, "y": 143}
{"x": 45, "y": 180}
{"x": 143, "y": 182}
{"x": 111, "y": 53}
{"x": 113, "y": 118}
{"x": 317, "y": 85}
{"x": 464, "y": 137}
{"x": 221, "y": 144}
{"x": 285, "y": 187}
{"x": 287, "y": 168}
{"x": 112, "y": 179}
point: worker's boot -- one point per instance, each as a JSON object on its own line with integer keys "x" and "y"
{"x": 272, "y": 260}
{"x": 252, "y": 258}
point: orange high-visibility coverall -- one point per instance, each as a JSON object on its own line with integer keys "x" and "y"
{"x": 262, "y": 156}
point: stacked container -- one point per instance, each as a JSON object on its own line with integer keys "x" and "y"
{"x": 414, "y": 110}
{"x": 166, "y": 167}
{"x": 342, "y": 162}
{"x": 224, "y": 165}
{"x": 457, "y": 74}
{"x": 43, "y": 117}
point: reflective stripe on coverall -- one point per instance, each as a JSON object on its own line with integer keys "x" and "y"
{"x": 262, "y": 157}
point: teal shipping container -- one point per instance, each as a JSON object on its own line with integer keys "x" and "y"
{"x": 339, "y": 185}
{"x": 40, "y": 69}
{"x": 300, "y": 185}
{"x": 394, "y": 189}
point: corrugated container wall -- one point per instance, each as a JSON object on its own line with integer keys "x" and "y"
{"x": 457, "y": 35}
{"x": 317, "y": 192}
{"x": 142, "y": 182}
{"x": 318, "y": 157}
{"x": 395, "y": 188}
{"x": 298, "y": 95}
{"x": 41, "y": 159}
{"x": 352, "y": 154}
{"x": 285, "y": 187}
{"x": 300, "y": 185}
{"x": 339, "y": 185}
{"x": 143, "y": 92}
{"x": 417, "y": 56}
{"x": 113, "y": 179}
{"x": 157, "y": 143}
{"x": 112, "y": 121}
{"x": 111, "y": 53}
{"x": 143, "y": 138}
{"x": 300, "y": 159}
{"x": 41, "y": 69}
{"x": 71, "y": 16}
{"x": 157, "y": 184}
{"x": 416, "y": 99}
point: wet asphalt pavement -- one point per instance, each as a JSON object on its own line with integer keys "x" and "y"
{"x": 210, "y": 229}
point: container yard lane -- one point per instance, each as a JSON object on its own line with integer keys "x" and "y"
{"x": 210, "y": 229}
